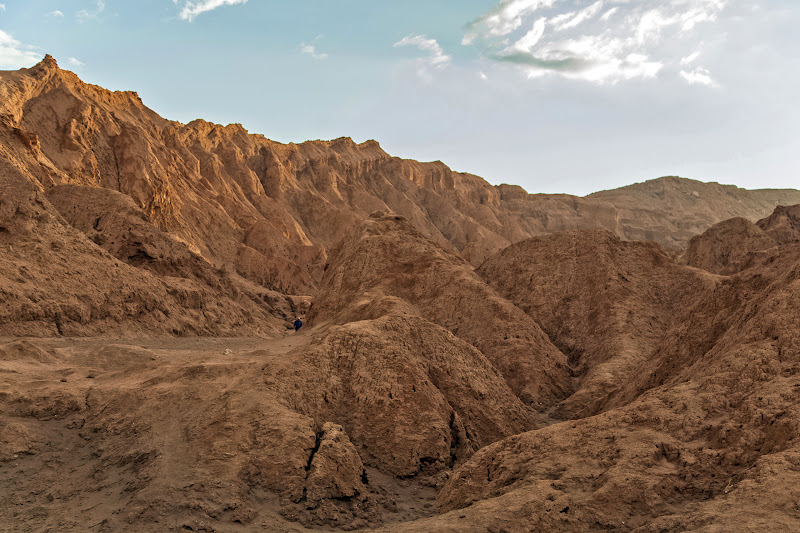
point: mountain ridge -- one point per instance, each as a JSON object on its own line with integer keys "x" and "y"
{"x": 271, "y": 211}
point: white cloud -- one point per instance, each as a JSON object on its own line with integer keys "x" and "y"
{"x": 3, "y": 7}
{"x": 193, "y": 8}
{"x": 14, "y": 54}
{"x": 608, "y": 14}
{"x": 530, "y": 39}
{"x": 690, "y": 58}
{"x": 311, "y": 49}
{"x": 84, "y": 14}
{"x": 436, "y": 57}
{"x": 504, "y": 18}
{"x": 56, "y": 13}
{"x": 699, "y": 76}
{"x": 601, "y": 41}
{"x": 74, "y": 62}
{"x": 575, "y": 19}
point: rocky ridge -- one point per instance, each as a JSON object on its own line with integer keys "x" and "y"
{"x": 271, "y": 212}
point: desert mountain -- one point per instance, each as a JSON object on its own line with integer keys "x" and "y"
{"x": 579, "y": 379}
{"x": 607, "y": 303}
{"x": 316, "y": 427}
{"x": 671, "y": 210}
{"x": 386, "y": 263}
{"x": 270, "y": 212}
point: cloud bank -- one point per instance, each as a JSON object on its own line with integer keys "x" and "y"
{"x": 14, "y": 54}
{"x": 600, "y": 41}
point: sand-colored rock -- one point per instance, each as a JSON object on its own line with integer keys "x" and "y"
{"x": 56, "y": 281}
{"x": 671, "y": 210}
{"x": 576, "y": 382}
{"x": 728, "y": 247}
{"x": 712, "y": 447}
{"x": 335, "y": 470}
{"x": 387, "y": 257}
{"x": 783, "y": 225}
{"x": 738, "y": 244}
{"x": 270, "y": 211}
{"x": 606, "y": 303}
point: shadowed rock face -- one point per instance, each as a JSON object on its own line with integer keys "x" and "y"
{"x": 706, "y": 436}
{"x": 606, "y": 303}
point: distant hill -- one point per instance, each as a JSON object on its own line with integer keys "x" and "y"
{"x": 671, "y": 210}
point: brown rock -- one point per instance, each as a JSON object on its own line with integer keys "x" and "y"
{"x": 386, "y": 257}
{"x": 335, "y": 469}
{"x": 605, "y": 302}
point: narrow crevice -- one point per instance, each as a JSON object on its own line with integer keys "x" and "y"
{"x": 314, "y": 451}
{"x": 59, "y": 327}
{"x": 455, "y": 440}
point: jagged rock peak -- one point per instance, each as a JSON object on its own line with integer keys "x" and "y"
{"x": 49, "y": 62}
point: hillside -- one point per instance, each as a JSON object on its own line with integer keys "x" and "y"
{"x": 271, "y": 212}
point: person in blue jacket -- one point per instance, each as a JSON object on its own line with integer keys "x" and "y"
{"x": 297, "y": 323}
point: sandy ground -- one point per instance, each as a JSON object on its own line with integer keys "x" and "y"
{"x": 54, "y": 479}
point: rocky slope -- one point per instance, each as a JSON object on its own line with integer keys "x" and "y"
{"x": 270, "y": 212}
{"x": 737, "y": 244}
{"x": 691, "y": 207}
{"x": 325, "y": 425}
{"x": 607, "y": 303}
{"x": 385, "y": 264}
{"x": 55, "y": 281}
{"x": 706, "y": 438}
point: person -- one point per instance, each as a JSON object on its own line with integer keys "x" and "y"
{"x": 297, "y": 323}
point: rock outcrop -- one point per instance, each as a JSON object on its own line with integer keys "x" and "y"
{"x": 608, "y": 304}
{"x": 712, "y": 444}
{"x": 385, "y": 259}
{"x": 738, "y": 244}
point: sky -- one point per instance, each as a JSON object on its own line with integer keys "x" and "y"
{"x": 567, "y": 96}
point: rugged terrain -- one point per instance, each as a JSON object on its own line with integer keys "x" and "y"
{"x": 474, "y": 358}
{"x": 270, "y": 212}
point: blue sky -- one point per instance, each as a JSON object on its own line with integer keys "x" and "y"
{"x": 554, "y": 95}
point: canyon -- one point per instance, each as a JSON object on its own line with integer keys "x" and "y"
{"x": 474, "y": 357}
